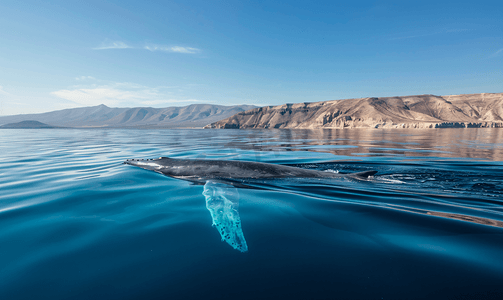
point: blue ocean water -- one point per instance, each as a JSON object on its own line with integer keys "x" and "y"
{"x": 76, "y": 223}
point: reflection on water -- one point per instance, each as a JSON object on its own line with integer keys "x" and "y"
{"x": 465, "y": 143}
{"x": 478, "y": 220}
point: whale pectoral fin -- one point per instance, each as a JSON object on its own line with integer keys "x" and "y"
{"x": 222, "y": 200}
{"x": 363, "y": 175}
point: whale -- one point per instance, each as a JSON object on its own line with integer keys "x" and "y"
{"x": 199, "y": 171}
{"x": 222, "y": 196}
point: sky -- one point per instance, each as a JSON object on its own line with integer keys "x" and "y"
{"x": 64, "y": 54}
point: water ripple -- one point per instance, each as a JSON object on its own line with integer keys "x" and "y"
{"x": 427, "y": 225}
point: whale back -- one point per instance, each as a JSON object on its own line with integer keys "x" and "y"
{"x": 205, "y": 169}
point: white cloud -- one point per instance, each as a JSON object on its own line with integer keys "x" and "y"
{"x": 177, "y": 49}
{"x": 85, "y": 78}
{"x": 184, "y": 49}
{"x": 112, "y": 45}
{"x": 129, "y": 85}
{"x": 91, "y": 97}
{"x": 2, "y": 92}
{"x": 121, "y": 94}
{"x": 497, "y": 53}
{"x": 444, "y": 31}
{"x": 456, "y": 30}
{"x": 107, "y": 44}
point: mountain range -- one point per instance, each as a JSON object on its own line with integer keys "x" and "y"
{"x": 196, "y": 115}
{"x": 422, "y": 111}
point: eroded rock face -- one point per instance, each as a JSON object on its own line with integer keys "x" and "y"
{"x": 423, "y": 111}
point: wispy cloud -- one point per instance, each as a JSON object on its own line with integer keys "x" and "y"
{"x": 497, "y": 53}
{"x": 11, "y": 104}
{"x": 410, "y": 36}
{"x": 2, "y": 92}
{"x": 85, "y": 78}
{"x": 96, "y": 96}
{"x": 178, "y": 49}
{"x": 112, "y": 45}
{"x": 445, "y": 31}
{"x": 107, "y": 44}
{"x": 129, "y": 85}
{"x": 456, "y": 30}
{"x": 122, "y": 94}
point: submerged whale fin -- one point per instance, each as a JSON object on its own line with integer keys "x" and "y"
{"x": 222, "y": 202}
{"x": 362, "y": 175}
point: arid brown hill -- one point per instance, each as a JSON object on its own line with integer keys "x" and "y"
{"x": 423, "y": 111}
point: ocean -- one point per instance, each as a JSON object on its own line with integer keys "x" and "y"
{"x": 77, "y": 223}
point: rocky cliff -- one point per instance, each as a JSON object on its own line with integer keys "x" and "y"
{"x": 422, "y": 111}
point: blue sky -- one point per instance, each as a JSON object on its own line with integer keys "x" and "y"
{"x": 65, "y": 54}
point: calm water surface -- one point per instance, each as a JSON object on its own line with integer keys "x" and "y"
{"x": 76, "y": 223}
